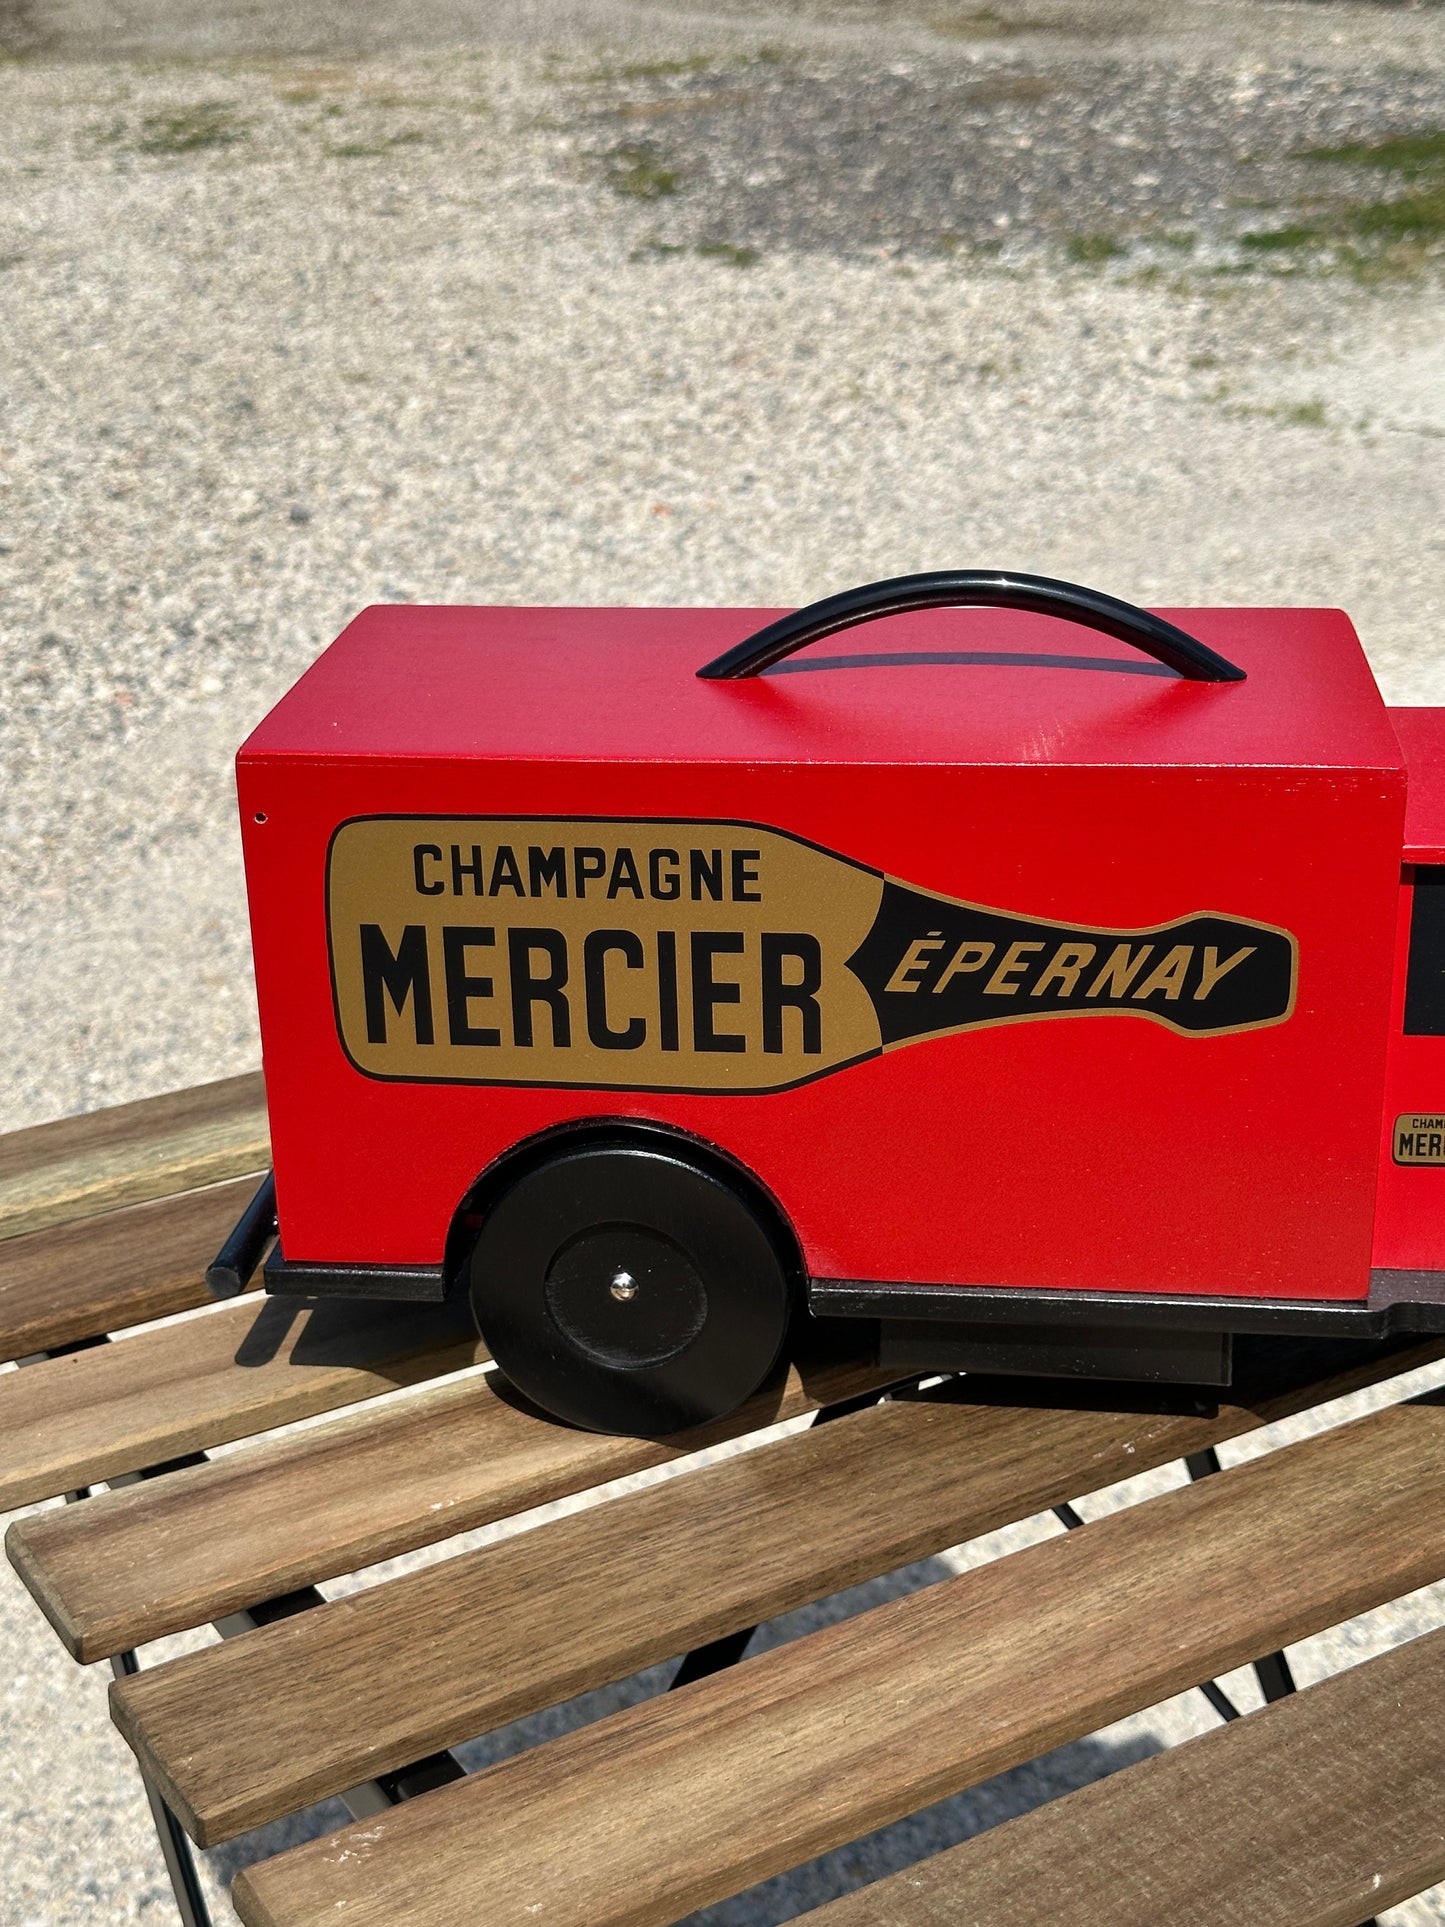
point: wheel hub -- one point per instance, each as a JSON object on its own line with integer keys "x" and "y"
{"x": 625, "y": 1295}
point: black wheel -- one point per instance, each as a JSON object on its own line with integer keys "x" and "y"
{"x": 630, "y": 1287}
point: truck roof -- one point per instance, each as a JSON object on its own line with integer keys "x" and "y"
{"x": 947, "y": 686}
{"x": 1421, "y": 734}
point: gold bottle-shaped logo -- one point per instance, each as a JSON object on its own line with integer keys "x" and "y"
{"x": 718, "y": 956}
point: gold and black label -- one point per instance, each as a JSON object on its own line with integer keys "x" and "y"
{"x": 718, "y": 956}
{"x": 1420, "y": 1138}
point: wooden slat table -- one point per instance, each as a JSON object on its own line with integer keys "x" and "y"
{"x": 1201, "y": 1837}
{"x": 749, "y": 1769}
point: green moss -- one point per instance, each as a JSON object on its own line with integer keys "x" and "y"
{"x": 1379, "y": 238}
{"x": 1290, "y": 414}
{"x": 1276, "y": 240}
{"x": 1376, "y": 266}
{"x": 210, "y": 124}
{"x": 1302, "y": 414}
{"x": 372, "y": 150}
{"x": 663, "y": 69}
{"x": 637, "y": 171}
{"x": 680, "y": 69}
{"x": 1409, "y": 154}
{"x": 734, "y": 256}
{"x": 1093, "y": 248}
{"x": 1412, "y": 217}
{"x": 981, "y": 23}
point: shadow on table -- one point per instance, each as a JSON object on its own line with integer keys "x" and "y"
{"x": 367, "y": 1335}
{"x": 835, "y": 1873}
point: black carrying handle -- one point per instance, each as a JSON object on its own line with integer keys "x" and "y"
{"x": 973, "y": 588}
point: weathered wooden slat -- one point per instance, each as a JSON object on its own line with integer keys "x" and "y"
{"x": 243, "y": 1733}
{"x": 135, "y": 1564}
{"x": 121, "y": 1268}
{"x": 79, "y": 1166}
{"x": 1319, "y": 1811}
{"x": 158, "y": 1559}
{"x": 75, "y": 1420}
{"x": 671, "y": 1805}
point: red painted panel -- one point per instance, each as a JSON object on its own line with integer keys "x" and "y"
{"x": 1097, "y": 1153}
{"x": 617, "y": 684}
{"x": 1410, "y": 1218}
{"x": 1421, "y": 734}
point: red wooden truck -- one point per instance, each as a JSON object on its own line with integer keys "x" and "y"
{"x": 1052, "y": 985}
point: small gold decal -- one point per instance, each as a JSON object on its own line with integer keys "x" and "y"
{"x": 1420, "y": 1138}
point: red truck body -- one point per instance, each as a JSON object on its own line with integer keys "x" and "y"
{"x": 1173, "y": 1057}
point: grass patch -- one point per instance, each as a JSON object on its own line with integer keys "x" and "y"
{"x": 1377, "y": 238}
{"x": 637, "y": 171}
{"x": 652, "y": 249}
{"x": 982, "y": 24}
{"x": 686, "y": 67}
{"x": 210, "y": 124}
{"x": 1413, "y": 217}
{"x": 1004, "y": 89}
{"x": 689, "y": 103}
{"x": 1289, "y": 414}
{"x": 1301, "y": 414}
{"x": 657, "y": 69}
{"x": 730, "y": 253}
{"x": 1091, "y": 249}
{"x": 987, "y": 23}
{"x": 1277, "y": 240}
{"x": 1408, "y": 154}
{"x": 372, "y": 150}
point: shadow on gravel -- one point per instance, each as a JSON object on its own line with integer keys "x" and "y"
{"x": 20, "y": 32}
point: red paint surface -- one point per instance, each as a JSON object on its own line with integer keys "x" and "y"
{"x": 1421, "y": 735}
{"x": 1410, "y": 1219}
{"x": 1101, "y": 1154}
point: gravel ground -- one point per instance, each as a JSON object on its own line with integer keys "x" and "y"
{"x": 307, "y": 307}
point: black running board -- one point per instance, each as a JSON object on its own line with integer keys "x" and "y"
{"x": 1400, "y": 1302}
{"x": 415, "y": 1284}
